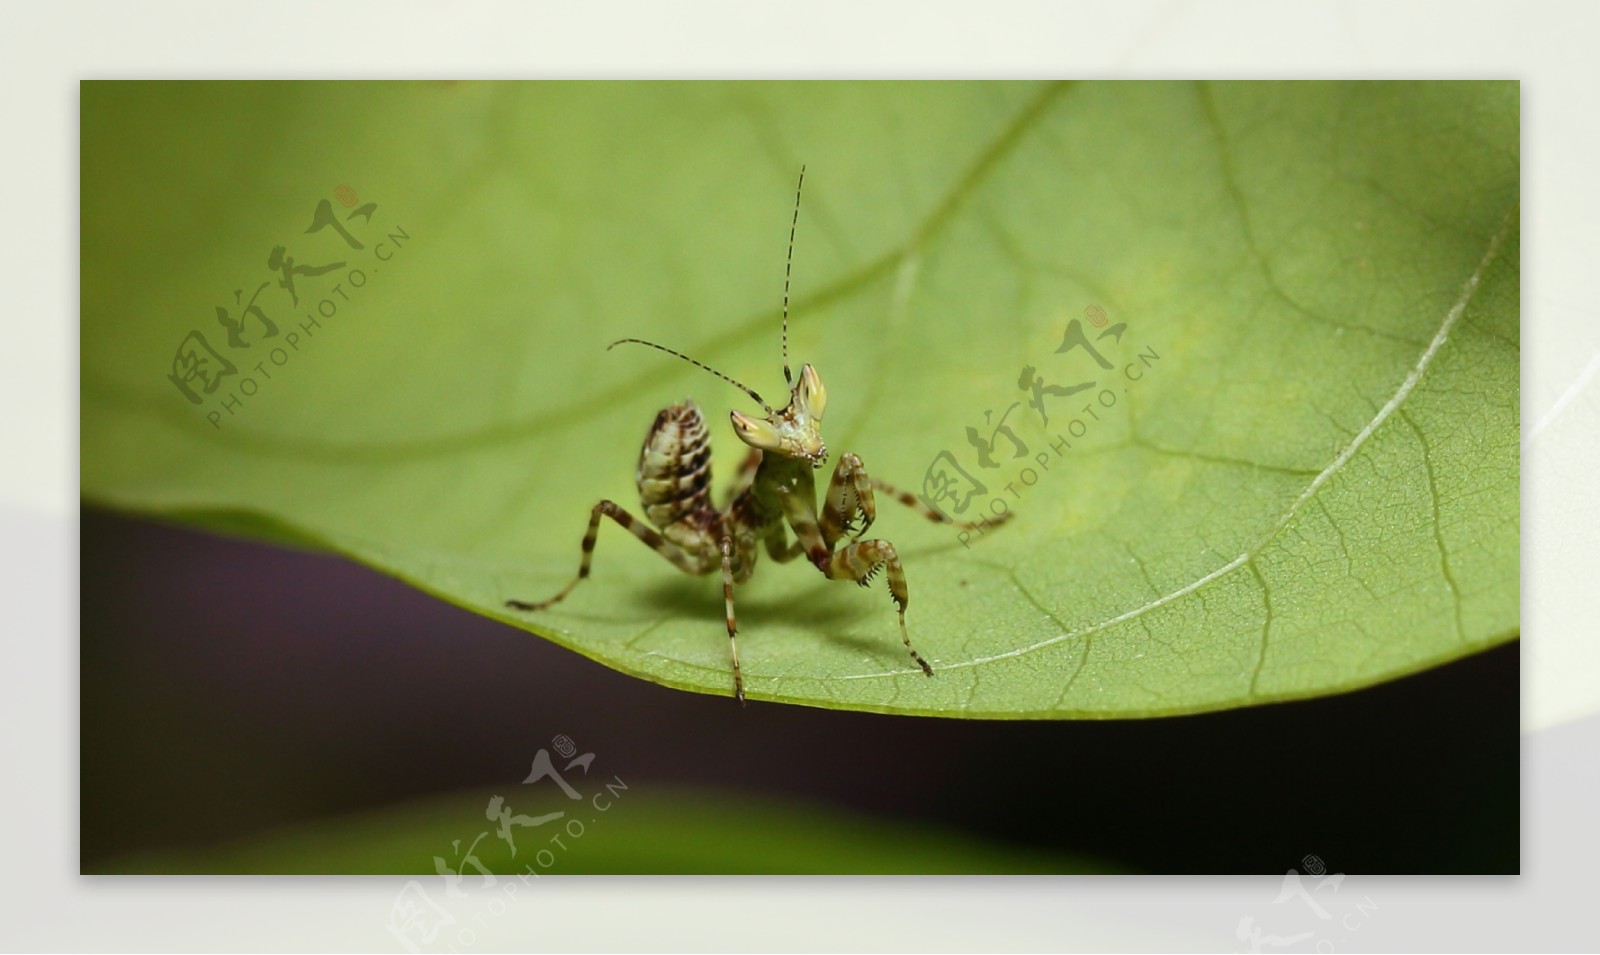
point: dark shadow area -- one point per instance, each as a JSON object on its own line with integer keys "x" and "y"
{"x": 229, "y": 687}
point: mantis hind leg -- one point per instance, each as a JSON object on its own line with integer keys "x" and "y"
{"x": 733, "y": 626}
{"x": 680, "y": 558}
{"x": 910, "y": 500}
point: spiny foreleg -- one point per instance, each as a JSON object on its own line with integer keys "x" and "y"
{"x": 851, "y": 492}
{"x": 858, "y": 561}
{"x": 679, "y": 557}
{"x": 848, "y": 493}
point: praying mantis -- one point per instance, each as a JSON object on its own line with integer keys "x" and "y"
{"x": 774, "y": 493}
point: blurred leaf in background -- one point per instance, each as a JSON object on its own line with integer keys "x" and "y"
{"x": 372, "y": 317}
{"x": 669, "y": 833}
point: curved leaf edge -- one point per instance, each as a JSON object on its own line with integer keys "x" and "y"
{"x": 261, "y": 527}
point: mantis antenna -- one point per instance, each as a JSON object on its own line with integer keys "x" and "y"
{"x": 788, "y": 263}
{"x": 730, "y": 380}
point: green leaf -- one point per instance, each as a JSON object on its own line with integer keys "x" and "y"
{"x": 1311, "y": 486}
{"x": 660, "y": 832}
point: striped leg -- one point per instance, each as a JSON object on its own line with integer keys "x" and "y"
{"x": 849, "y": 491}
{"x": 911, "y": 501}
{"x": 633, "y": 525}
{"x": 859, "y": 562}
{"x": 733, "y": 628}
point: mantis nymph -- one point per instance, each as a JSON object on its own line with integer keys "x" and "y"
{"x": 773, "y": 493}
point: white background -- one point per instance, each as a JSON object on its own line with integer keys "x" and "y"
{"x": 47, "y": 48}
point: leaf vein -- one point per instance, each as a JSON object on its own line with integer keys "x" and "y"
{"x": 1424, "y": 362}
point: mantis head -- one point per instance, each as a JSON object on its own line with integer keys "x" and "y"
{"x": 794, "y": 432}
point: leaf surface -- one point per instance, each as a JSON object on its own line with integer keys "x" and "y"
{"x": 1293, "y": 471}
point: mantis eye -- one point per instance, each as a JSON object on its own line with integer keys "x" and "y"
{"x": 755, "y": 432}
{"x": 812, "y": 393}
